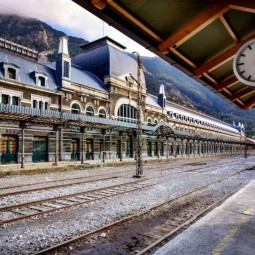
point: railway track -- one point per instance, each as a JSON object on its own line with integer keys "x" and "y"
{"x": 84, "y": 180}
{"x": 9, "y": 214}
{"x": 162, "y": 232}
{"x": 12, "y": 213}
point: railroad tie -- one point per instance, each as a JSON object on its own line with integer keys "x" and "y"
{"x": 37, "y": 208}
{"x": 20, "y": 212}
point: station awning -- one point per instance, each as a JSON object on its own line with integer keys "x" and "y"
{"x": 199, "y": 37}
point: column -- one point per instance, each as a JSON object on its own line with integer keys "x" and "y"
{"x": 183, "y": 147}
{"x": 158, "y": 151}
{"x": 121, "y": 145}
{"x": 167, "y": 147}
{"x": 174, "y": 147}
{"x": 82, "y": 130}
{"x": 152, "y": 148}
{"x": 23, "y": 126}
{"x": 56, "y": 145}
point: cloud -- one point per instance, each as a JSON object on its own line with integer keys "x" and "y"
{"x": 70, "y": 18}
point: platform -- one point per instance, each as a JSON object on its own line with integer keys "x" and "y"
{"x": 227, "y": 230}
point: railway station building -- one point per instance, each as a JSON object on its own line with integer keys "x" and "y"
{"x": 85, "y": 108}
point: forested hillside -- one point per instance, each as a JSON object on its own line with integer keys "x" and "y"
{"x": 187, "y": 92}
{"x": 37, "y": 35}
{"x": 179, "y": 88}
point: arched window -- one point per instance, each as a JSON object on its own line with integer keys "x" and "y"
{"x": 11, "y": 73}
{"x": 75, "y": 109}
{"x": 102, "y": 113}
{"x": 89, "y": 111}
{"x": 155, "y": 122}
{"x": 127, "y": 113}
{"x": 149, "y": 121}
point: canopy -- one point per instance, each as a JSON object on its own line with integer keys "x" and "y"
{"x": 199, "y": 37}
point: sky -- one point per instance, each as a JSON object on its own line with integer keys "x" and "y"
{"x": 66, "y": 16}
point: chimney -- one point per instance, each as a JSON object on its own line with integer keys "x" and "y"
{"x": 63, "y": 63}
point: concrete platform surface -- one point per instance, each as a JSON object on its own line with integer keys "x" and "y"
{"x": 227, "y": 230}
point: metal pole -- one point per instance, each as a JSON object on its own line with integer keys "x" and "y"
{"x": 139, "y": 162}
{"x": 56, "y": 145}
{"x": 23, "y": 148}
{"x": 82, "y": 130}
{"x": 121, "y": 145}
{"x": 245, "y": 148}
{"x": 103, "y": 145}
{"x": 23, "y": 125}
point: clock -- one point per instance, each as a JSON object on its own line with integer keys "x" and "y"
{"x": 244, "y": 64}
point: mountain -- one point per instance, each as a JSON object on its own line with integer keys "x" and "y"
{"x": 179, "y": 87}
{"x": 37, "y": 35}
{"x": 185, "y": 91}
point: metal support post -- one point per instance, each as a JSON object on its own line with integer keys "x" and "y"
{"x": 121, "y": 146}
{"x": 245, "y": 148}
{"x": 82, "y": 130}
{"x": 56, "y": 145}
{"x": 139, "y": 162}
{"x": 23, "y": 125}
{"x": 104, "y": 147}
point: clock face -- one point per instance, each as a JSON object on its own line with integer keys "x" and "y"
{"x": 244, "y": 64}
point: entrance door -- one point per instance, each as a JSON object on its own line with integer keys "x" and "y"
{"x": 118, "y": 148}
{"x": 149, "y": 148}
{"x": 161, "y": 144}
{"x": 40, "y": 149}
{"x": 155, "y": 149}
{"x": 9, "y": 149}
{"x": 129, "y": 152}
{"x": 75, "y": 149}
{"x": 89, "y": 149}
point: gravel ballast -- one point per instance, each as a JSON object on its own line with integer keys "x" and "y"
{"x": 26, "y": 237}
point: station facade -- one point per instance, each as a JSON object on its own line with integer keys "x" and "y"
{"x": 85, "y": 108}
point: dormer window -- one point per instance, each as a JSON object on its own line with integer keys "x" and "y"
{"x": 11, "y": 73}
{"x": 41, "y": 81}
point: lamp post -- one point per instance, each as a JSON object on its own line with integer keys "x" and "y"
{"x": 139, "y": 163}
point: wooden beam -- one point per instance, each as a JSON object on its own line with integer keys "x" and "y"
{"x": 249, "y": 105}
{"x": 227, "y": 83}
{"x": 185, "y": 59}
{"x": 243, "y": 5}
{"x": 223, "y": 58}
{"x": 242, "y": 93}
{"x": 101, "y": 4}
{"x": 194, "y": 26}
{"x": 229, "y": 29}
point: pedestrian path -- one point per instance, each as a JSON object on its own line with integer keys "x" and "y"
{"x": 227, "y": 230}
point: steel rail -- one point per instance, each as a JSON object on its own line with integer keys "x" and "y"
{"x": 76, "y": 238}
{"x": 94, "y": 180}
{"x": 188, "y": 222}
{"x": 40, "y": 202}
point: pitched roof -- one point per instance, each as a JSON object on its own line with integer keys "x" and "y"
{"x": 105, "y": 58}
{"x": 26, "y": 69}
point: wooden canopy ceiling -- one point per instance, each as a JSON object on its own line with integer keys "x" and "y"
{"x": 199, "y": 37}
